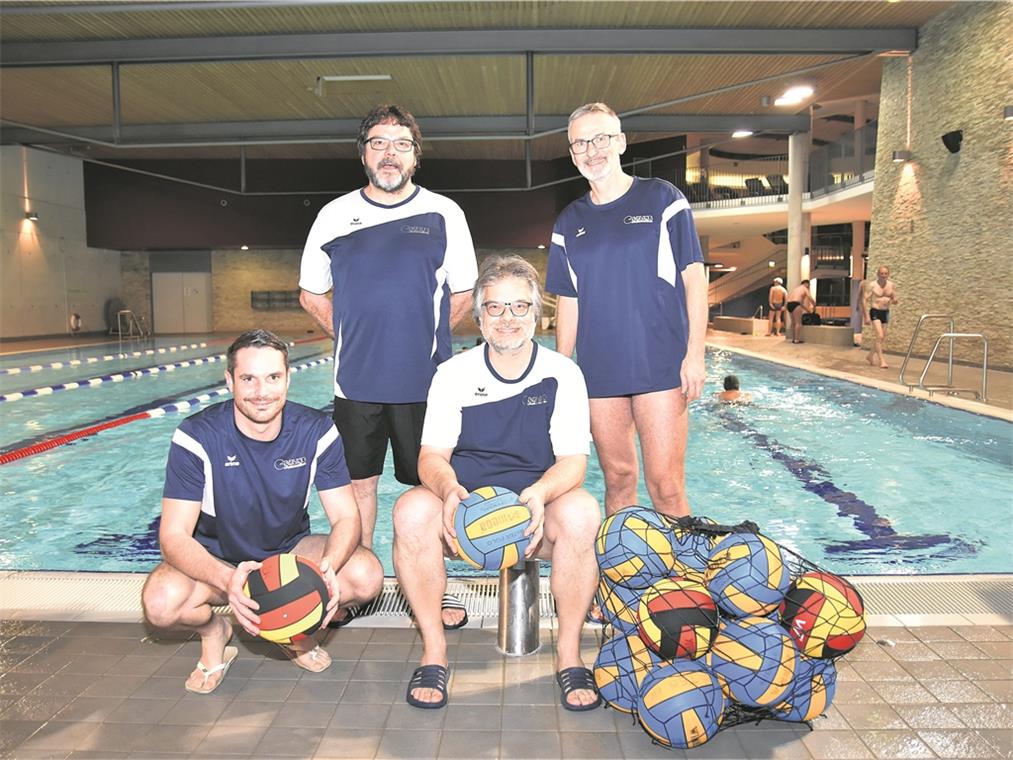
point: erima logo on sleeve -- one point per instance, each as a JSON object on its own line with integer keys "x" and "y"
{"x": 580, "y": 232}
{"x": 638, "y": 219}
{"x": 289, "y": 464}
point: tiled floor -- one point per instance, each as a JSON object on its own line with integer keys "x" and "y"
{"x": 108, "y": 690}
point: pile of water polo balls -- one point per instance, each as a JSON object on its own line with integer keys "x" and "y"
{"x": 709, "y": 625}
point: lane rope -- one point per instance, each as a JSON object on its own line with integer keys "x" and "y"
{"x": 159, "y": 411}
{"x": 97, "y": 359}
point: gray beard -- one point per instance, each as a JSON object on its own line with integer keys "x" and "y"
{"x": 387, "y": 187}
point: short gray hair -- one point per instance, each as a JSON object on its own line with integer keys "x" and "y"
{"x": 587, "y": 108}
{"x": 496, "y": 268}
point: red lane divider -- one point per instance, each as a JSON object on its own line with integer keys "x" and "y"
{"x": 52, "y": 443}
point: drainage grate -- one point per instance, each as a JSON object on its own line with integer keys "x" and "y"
{"x": 117, "y": 596}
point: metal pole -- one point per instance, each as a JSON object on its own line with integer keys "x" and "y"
{"x": 115, "y": 73}
{"x": 518, "y": 609}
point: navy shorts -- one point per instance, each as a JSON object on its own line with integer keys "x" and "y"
{"x": 366, "y": 429}
{"x": 883, "y": 315}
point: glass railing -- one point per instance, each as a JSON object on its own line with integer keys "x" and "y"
{"x": 844, "y": 161}
{"x": 733, "y": 183}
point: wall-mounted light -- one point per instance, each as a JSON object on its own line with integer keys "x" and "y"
{"x": 244, "y": 248}
{"x": 771, "y": 265}
{"x": 900, "y": 156}
{"x": 738, "y": 134}
{"x": 32, "y": 216}
{"x": 541, "y": 247}
{"x": 1007, "y": 113}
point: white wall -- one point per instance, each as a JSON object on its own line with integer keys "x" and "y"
{"x": 47, "y": 271}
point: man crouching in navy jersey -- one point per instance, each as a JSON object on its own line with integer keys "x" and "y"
{"x": 237, "y": 486}
{"x": 514, "y": 414}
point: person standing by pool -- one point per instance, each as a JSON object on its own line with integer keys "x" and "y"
{"x": 800, "y": 301}
{"x": 776, "y": 298}
{"x": 626, "y": 264}
{"x": 879, "y": 296}
{"x": 514, "y": 414}
{"x": 400, "y": 263}
{"x": 237, "y": 485}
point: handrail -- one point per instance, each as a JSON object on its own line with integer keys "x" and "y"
{"x": 949, "y": 387}
{"x": 911, "y": 346}
{"x": 758, "y": 314}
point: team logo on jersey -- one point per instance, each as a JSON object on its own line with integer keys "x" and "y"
{"x": 638, "y": 219}
{"x": 415, "y": 229}
{"x": 232, "y": 460}
{"x": 356, "y": 221}
{"x": 289, "y": 464}
{"x": 581, "y": 231}
{"x": 481, "y": 392}
{"x": 536, "y": 400}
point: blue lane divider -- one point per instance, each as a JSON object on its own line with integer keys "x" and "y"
{"x": 97, "y": 359}
{"x": 881, "y": 538}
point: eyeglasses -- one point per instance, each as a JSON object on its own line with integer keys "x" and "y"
{"x": 497, "y": 308}
{"x": 600, "y": 142}
{"x": 401, "y": 145}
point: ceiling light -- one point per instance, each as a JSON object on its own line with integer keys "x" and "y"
{"x": 541, "y": 247}
{"x": 244, "y": 248}
{"x": 900, "y": 156}
{"x": 794, "y": 95}
{"x": 32, "y": 216}
{"x": 319, "y": 89}
{"x": 738, "y": 134}
{"x": 771, "y": 264}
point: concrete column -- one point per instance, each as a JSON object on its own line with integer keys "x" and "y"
{"x": 859, "y": 135}
{"x": 798, "y": 156}
{"x": 857, "y": 249}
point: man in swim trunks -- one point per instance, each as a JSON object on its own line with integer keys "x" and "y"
{"x": 800, "y": 301}
{"x": 399, "y": 263}
{"x": 514, "y": 414}
{"x": 626, "y": 263}
{"x": 879, "y": 296}
{"x": 776, "y": 299}
{"x": 237, "y": 485}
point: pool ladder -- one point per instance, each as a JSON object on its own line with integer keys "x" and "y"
{"x": 950, "y": 335}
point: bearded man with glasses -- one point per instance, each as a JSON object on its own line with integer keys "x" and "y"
{"x": 626, "y": 263}
{"x": 387, "y": 271}
{"x": 514, "y": 414}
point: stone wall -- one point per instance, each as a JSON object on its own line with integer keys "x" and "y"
{"x": 234, "y": 274}
{"x": 942, "y": 221}
{"x": 135, "y": 283}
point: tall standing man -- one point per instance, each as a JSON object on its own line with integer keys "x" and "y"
{"x": 880, "y": 295}
{"x": 400, "y": 264}
{"x": 237, "y": 484}
{"x": 625, "y": 261}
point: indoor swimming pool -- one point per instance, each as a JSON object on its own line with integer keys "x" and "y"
{"x": 857, "y": 480}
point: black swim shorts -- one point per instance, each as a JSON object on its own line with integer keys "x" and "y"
{"x": 883, "y": 315}
{"x": 365, "y": 430}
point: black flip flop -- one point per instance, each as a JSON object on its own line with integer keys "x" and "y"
{"x": 572, "y": 679}
{"x": 428, "y": 677}
{"x": 350, "y": 614}
{"x": 451, "y": 602}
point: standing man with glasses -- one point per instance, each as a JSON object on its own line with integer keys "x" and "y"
{"x": 399, "y": 263}
{"x": 625, "y": 261}
{"x": 514, "y": 414}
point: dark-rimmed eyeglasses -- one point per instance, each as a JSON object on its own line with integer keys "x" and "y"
{"x": 600, "y": 142}
{"x": 401, "y": 145}
{"x": 498, "y": 308}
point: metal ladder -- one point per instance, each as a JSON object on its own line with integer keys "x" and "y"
{"x": 127, "y": 318}
{"x": 949, "y": 335}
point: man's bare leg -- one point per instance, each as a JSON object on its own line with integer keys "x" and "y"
{"x": 571, "y": 524}
{"x": 365, "y": 497}
{"x": 612, "y": 428}
{"x": 662, "y": 422}
{"x": 172, "y": 600}
{"x": 418, "y": 562}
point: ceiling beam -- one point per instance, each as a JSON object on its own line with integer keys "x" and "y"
{"x": 459, "y": 42}
{"x": 345, "y": 130}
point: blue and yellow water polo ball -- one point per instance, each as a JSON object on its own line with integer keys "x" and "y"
{"x": 692, "y": 548}
{"x": 824, "y": 614}
{"x": 681, "y": 704}
{"x": 677, "y": 617}
{"x": 622, "y": 664}
{"x": 811, "y": 691}
{"x": 619, "y": 605}
{"x": 756, "y": 659}
{"x": 490, "y": 525}
{"x": 747, "y": 574}
{"x": 634, "y": 547}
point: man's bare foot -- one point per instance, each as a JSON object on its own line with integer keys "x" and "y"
{"x": 212, "y": 651}
{"x": 884, "y": 366}
{"x": 308, "y": 655}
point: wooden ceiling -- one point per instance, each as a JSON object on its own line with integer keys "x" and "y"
{"x": 206, "y": 86}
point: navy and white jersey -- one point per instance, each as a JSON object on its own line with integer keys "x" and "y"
{"x": 253, "y": 494}
{"x": 623, "y": 261}
{"x": 507, "y": 432}
{"x": 392, "y": 270}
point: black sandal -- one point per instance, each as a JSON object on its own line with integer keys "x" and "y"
{"x": 573, "y": 679}
{"x": 451, "y": 602}
{"x": 428, "y": 677}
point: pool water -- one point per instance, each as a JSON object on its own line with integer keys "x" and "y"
{"x": 856, "y": 480}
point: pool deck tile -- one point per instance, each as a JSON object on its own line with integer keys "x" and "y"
{"x": 900, "y": 695}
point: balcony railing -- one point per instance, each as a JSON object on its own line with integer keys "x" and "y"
{"x": 836, "y": 164}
